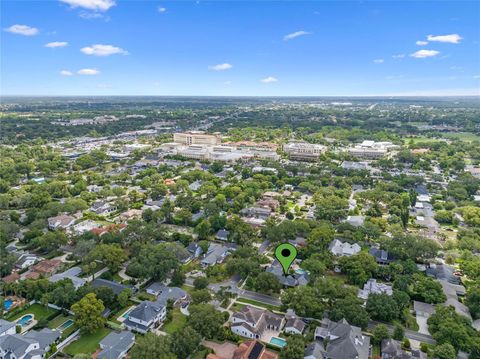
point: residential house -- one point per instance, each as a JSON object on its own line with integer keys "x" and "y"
{"x": 355, "y": 221}
{"x": 343, "y": 249}
{"x": 257, "y": 212}
{"x": 216, "y": 254}
{"x": 222, "y": 235}
{"x": 253, "y": 350}
{"x": 32, "y": 345}
{"x": 130, "y": 214}
{"x": 290, "y": 280}
{"x": 194, "y": 249}
{"x": 294, "y": 324}
{"x": 117, "y": 288}
{"x": 251, "y": 322}
{"x": 103, "y": 208}
{"x": 381, "y": 257}
{"x": 373, "y": 287}
{"x": 392, "y": 349}
{"x": 6, "y": 327}
{"x": 340, "y": 340}
{"x": 46, "y": 267}
{"x": 62, "y": 221}
{"x": 26, "y": 260}
{"x": 116, "y": 345}
{"x": 72, "y": 274}
{"x": 145, "y": 316}
{"x": 84, "y": 226}
{"x": 175, "y": 294}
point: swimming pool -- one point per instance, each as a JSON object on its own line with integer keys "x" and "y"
{"x": 65, "y": 325}
{"x": 7, "y": 304}
{"x": 126, "y": 314}
{"x": 25, "y": 320}
{"x": 279, "y": 342}
{"x": 300, "y": 271}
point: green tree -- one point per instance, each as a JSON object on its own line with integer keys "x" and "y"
{"x": 205, "y": 320}
{"x": 267, "y": 283}
{"x": 380, "y": 332}
{"x": 200, "y": 282}
{"x": 112, "y": 255}
{"x": 358, "y": 268}
{"x": 398, "y": 332}
{"x": 200, "y": 296}
{"x": 382, "y": 307}
{"x": 124, "y": 296}
{"x": 88, "y": 313}
{"x": 151, "y": 346}
{"x": 444, "y": 351}
{"x": 184, "y": 342}
{"x": 294, "y": 349}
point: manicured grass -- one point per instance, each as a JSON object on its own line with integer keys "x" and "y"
{"x": 178, "y": 322}
{"x": 464, "y": 136}
{"x": 187, "y": 288}
{"x": 87, "y": 343}
{"x": 38, "y": 310}
{"x": 58, "y": 320}
{"x": 376, "y": 351}
{"x": 259, "y": 304}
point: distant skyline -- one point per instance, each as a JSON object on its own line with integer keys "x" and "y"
{"x": 233, "y": 48}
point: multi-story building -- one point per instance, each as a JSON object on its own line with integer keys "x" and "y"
{"x": 196, "y": 138}
{"x": 371, "y": 150}
{"x": 303, "y": 151}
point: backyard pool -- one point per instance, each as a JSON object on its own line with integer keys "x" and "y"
{"x": 125, "y": 315}
{"x": 25, "y": 320}
{"x": 300, "y": 271}
{"x": 279, "y": 342}
{"x": 65, "y": 325}
{"x": 7, "y": 304}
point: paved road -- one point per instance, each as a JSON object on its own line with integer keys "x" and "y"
{"x": 410, "y": 334}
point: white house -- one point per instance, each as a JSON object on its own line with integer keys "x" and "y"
{"x": 344, "y": 249}
{"x": 145, "y": 316}
{"x": 6, "y": 327}
{"x": 60, "y": 222}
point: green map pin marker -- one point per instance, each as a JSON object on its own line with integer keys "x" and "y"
{"x": 286, "y": 254}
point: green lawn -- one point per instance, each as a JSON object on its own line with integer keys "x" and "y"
{"x": 38, "y": 310}
{"x": 259, "y": 304}
{"x": 463, "y": 136}
{"x": 178, "y": 321}
{"x": 58, "y": 320}
{"x": 87, "y": 343}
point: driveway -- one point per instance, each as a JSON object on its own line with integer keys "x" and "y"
{"x": 224, "y": 350}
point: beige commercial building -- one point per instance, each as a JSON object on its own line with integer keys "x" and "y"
{"x": 196, "y": 138}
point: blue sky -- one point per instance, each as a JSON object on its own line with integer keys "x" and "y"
{"x": 244, "y": 48}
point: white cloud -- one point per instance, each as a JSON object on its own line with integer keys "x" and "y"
{"x": 24, "y": 30}
{"x": 398, "y": 56}
{"x": 379, "y": 61}
{"x": 295, "y": 34}
{"x": 104, "y": 86}
{"x": 96, "y": 5}
{"x": 56, "y": 44}
{"x": 103, "y": 50}
{"x": 452, "y": 38}
{"x": 220, "y": 67}
{"x": 162, "y": 9}
{"x": 88, "y": 15}
{"x": 476, "y": 77}
{"x": 88, "y": 72}
{"x": 422, "y": 54}
{"x": 227, "y": 83}
{"x": 269, "y": 79}
{"x": 66, "y": 73}
{"x": 421, "y": 43}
